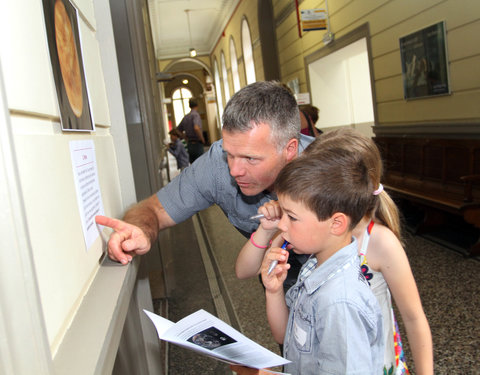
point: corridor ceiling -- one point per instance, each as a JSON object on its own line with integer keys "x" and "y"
{"x": 208, "y": 19}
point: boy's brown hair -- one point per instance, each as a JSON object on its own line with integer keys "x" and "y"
{"x": 328, "y": 181}
{"x": 176, "y": 132}
{"x": 383, "y": 209}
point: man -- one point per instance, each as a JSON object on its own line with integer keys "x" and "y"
{"x": 191, "y": 124}
{"x": 261, "y": 133}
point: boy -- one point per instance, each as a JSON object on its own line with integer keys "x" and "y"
{"x": 177, "y": 149}
{"x": 329, "y": 321}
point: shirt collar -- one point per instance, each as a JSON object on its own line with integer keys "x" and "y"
{"x": 343, "y": 257}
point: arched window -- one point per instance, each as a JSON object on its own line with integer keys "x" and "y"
{"x": 234, "y": 64}
{"x": 226, "y": 86}
{"x": 218, "y": 92}
{"x": 180, "y": 99}
{"x": 248, "y": 53}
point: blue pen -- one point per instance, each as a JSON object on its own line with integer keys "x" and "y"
{"x": 275, "y": 262}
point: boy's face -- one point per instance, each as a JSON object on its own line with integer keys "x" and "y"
{"x": 173, "y": 137}
{"x": 301, "y": 227}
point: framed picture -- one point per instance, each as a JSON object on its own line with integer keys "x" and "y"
{"x": 424, "y": 62}
{"x": 61, "y": 22}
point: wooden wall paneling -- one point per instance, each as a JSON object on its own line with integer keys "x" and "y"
{"x": 412, "y": 155}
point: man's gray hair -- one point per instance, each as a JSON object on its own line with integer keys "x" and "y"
{"x": 264, "y": 102}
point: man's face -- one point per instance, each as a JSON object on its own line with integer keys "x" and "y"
{"x": 253, "y": 158}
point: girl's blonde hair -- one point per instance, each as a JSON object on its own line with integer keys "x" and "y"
{"x": 384, "y": 210}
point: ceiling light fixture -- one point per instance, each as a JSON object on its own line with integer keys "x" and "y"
{"x": 192, "y": 50}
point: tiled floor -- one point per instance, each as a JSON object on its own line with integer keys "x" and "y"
{"x": 449, "y": 285}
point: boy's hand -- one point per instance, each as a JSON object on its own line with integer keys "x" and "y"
{"x": 273, "y": 214}
{"x": 274, "y": 282}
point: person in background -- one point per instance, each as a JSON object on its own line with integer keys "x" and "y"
{"x": 308, "y": 119}
{"x": 177, "y": 149}
{"x": 191, "y": 125}
{"x": 329, "y": 321}
{"x": 261, "y": 134}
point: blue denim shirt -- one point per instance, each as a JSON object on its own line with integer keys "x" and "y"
{"x": 335, "y": 323}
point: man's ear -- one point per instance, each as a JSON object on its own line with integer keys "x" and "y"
{"x": 340, "y": 223}
{"x": 291, "y": 149}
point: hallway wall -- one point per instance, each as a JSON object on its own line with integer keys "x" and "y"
{"x": 246, "y": 10}
{"x": 50, "y": 275}
{"x": 388, "y": 21}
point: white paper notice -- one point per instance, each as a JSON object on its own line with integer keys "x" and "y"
{"x": 88, "y": 189}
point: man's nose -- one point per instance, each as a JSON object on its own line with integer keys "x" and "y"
{"x": 236, "y": 167}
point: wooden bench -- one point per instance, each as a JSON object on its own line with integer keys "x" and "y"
{"x": 437, "y": 174}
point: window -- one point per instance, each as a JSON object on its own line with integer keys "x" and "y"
{"x": 248, "y": 53}
{"x": 180, "y": 99}
{"x": 218, "y": 92}
{"x": 226, "y": 87}
{"x": 234, "y": 64}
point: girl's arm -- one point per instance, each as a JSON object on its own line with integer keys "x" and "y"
{"x": 386, "y": 254}
{"x": 251, "y": 255}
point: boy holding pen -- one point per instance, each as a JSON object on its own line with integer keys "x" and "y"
{"x": 329, "y": 321}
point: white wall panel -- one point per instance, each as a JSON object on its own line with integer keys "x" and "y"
{"x": 25, "y": 59}
{"x": 64, "y": 265}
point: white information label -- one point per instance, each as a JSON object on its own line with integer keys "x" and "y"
{"x": 89, "y": 196}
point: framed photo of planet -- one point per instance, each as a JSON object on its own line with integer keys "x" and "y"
{"x": 61, "y": 22}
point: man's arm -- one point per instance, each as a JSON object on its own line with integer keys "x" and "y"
{"x": 138, "y": 230}
{"x": 199, "y": 133}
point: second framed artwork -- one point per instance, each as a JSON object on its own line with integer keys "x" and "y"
{"x": 424, "y": 62}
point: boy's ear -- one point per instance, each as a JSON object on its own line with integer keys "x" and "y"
{"x": 340, "y": 223}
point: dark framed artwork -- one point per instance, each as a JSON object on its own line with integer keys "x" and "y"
{"x": 425, "y": 63}
{"x": 61, "y": 22}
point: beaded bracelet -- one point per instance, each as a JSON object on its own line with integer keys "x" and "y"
{"x": 254, "y": 244}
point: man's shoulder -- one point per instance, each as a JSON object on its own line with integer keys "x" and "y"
{"x": 217, "y": 148}
{"x": 214, "y": 159}
{"x": 304, "y": 141}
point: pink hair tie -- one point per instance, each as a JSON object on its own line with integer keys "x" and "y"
{"x": 379, "y": 190}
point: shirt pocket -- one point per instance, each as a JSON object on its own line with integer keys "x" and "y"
{"x": 302, "y": 331}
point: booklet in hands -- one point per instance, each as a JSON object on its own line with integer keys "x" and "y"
{"x": 204, "y": 333}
